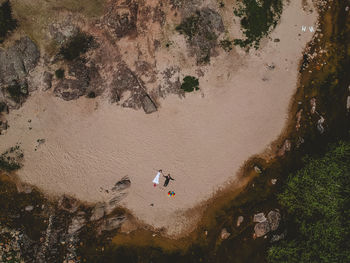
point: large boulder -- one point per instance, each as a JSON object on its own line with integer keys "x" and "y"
{"x": 261, "y": 229}
{"x": 18, "y": 60}
{"x": 148, "y": 105}
{"x": 260, "y": 217}
{"x": 274, "y": 217}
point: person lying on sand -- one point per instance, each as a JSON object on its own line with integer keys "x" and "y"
{"x": 167, "y": 179}
{"x": 156, "y": 179}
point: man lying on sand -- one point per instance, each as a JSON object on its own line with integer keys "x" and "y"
{"x": 167, "y": 179}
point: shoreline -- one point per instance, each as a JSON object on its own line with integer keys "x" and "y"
{"x": 137, "y": 200}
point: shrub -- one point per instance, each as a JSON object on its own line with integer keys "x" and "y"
{"x": 17, "y": 91}
{"x": 59, "y": 73}
{"x": 190, "y": 84}
{"x": 76, "y": 45}
{"x": 226, "y": 44}
{"x": 7, "y": 23}
{"x": 258, "y": 18}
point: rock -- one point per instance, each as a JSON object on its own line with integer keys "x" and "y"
{"x": 313, "y": 105}
{"x": 18, "y": 60}
{"x": 240, "y": 220}
{"x": 285, "y": 148}
{"x": 76, "y": 224}
{"x": 98, "y": 211}
{"x": 224, "y": 234}
{"x": 68, "y": 204}
{"x": 257, "y": 169}
{"x": 148, "y": 105}
{"x": 273, "y": 181}
{"x": 112, "y": 223}
{"x": 47, "y": 80}
{"x": 319, "y": 126}
{"x": 348, "y": 103}
{"x": 261, "y": 229}
{"x": 276, "y": 238}
{"x": 298, "y": 117}
{"x": 276, "y": 40}
{"x": 3, "y": 107}
{"x": 29, "y": 208}
{"x": 260, "y": 217}
{"x": 273, "y": 218}
{"x": 122, "y": 184}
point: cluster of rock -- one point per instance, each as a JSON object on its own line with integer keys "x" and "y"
{"x": 266, "y": 224}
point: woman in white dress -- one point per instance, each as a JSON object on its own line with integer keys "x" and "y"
{"x": 156, "y": 179}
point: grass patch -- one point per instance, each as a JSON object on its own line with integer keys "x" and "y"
{"x": 7, "y": 22}
{"x": 76, "y": 46}
{"x": 59, "y": 73}
{"x": 258, "y": 18}
{"x": 190, "y": 84}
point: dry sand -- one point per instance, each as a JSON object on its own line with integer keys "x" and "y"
{"x": 201, "y": 140}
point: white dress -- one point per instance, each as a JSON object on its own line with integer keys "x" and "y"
{"x": 156, "y": 179}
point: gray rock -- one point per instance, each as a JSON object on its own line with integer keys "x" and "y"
{"x": 76, "y": 224}
{"x": 47, "y": 80}
{"x": 240, "y": 220}
{"x": 276, "y": 238}
{"x": 122, "y": 184}
{"x": 224, "y": 234}
{"x": 319, "y": 125}
{"x": 273, "y": 181}
{"x": 148, "y": 105}
{"x": 112, "y": 223}
{"x": 262, "y": 229}
{"x": 348, "y": 103}
{"x": 98, "y": 211}
{"x": 18, "y": 60}
{"x": 260, "y": 217}
{"x": 29, "y": 208}
{"x": 274, "y": 218}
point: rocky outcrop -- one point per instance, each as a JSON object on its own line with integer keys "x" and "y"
{"x": 47, "y": 80}
{"x": 81, "y": 80}
{"x": 121, "y": 18}
{"x": 15, "y": 64}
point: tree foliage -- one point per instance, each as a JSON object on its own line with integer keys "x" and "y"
{"x": 7, "y": 22}
{"x": 258, "y": 18}
{"x": 190, "y": 84}
{"x": 317, "y": 199}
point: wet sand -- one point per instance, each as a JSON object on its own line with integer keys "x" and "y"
{"x": 201, "y": 140}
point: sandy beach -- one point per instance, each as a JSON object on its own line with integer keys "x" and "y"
{"x": 202, "y": 140}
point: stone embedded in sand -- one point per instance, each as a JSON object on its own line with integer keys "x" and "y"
{"x": 348, "y": 103}
{"x": 262, "y": 229}
{"x": 29, "y": 208}
{"x": 260, "y": 217}
{"x": 313, "y": 105}
{"x": 148, "y": 105}
{"x": 224, "y": 234}
{"x": 240, "y": 220}
{"x": 274, "y": 217}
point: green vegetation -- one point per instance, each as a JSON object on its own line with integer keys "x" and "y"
{"x": 226, "y": 44}
{"x": 258, "y": 18}
{"x": 7, "y": 22}
{"x": 59, "y": 73}
{"x": 190, "y": 84}
{"x": 190, "y": 26}
{"x": 17, "y": 91}
{"x": 76, "y": 46}
{"x": 317, "y": 199}
{"x": 8, "y": 161}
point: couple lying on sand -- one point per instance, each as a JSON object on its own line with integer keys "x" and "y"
{"x": 167, "y": 178}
